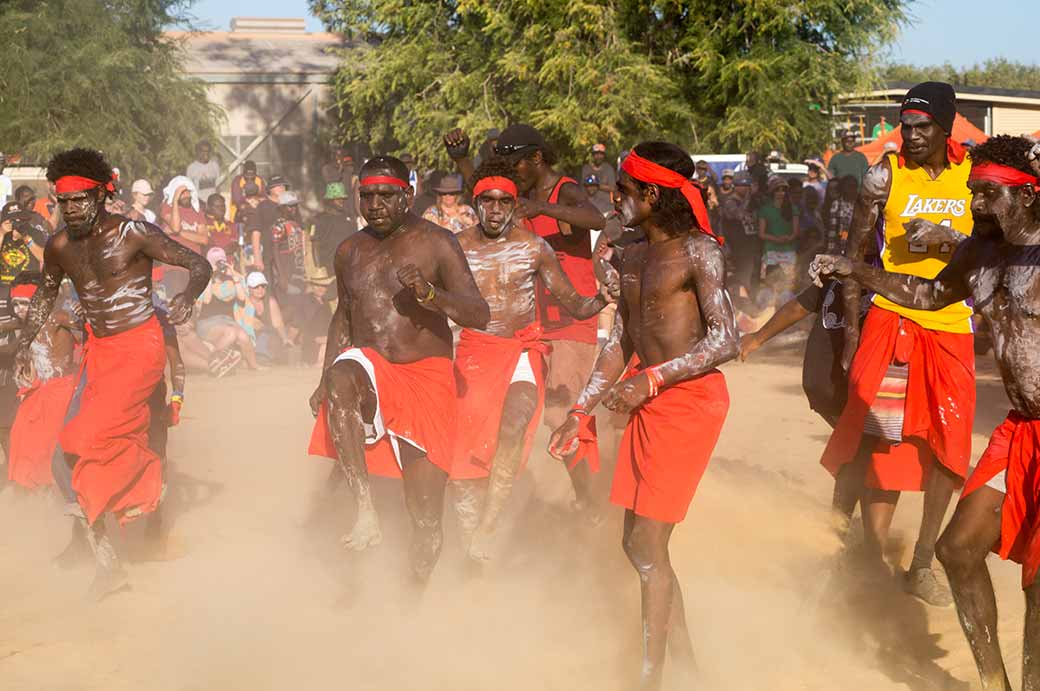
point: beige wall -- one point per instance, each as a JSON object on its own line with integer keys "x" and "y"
{"x": 1015, "y": 119}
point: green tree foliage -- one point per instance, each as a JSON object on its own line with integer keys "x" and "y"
{"x": 100, "y": 73}
{"x": 996, "y": 73}
{"x": 711, "y": 75}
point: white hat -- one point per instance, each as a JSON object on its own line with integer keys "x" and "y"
{"x": 141, "y": 186}
{"x": 255, "y": 279}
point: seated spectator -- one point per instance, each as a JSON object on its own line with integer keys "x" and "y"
{"x": 141, "y": 194}
{"x": 307, "y": 316}
{"x": 21, "y": 248}
{"x": 448, "y": 212}
{"x": 221, "y": 233}
{"x": 287, "y": 238}
{"x": 26, "y": 198}
{"x": 220, "y": 305}
{"x": 262, "y": 320}
{"x": 183, "y": 219}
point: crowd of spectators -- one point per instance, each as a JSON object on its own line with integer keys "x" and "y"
{"x": 269, "y": 301}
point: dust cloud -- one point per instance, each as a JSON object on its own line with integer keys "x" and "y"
{"x": 255, "y": 593}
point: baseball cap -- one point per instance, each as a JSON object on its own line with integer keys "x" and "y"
{"x": 519, "y": 139}
{"x": 335, "y": 190}
{"x": 592, "y": 180}
{"x": 142, "y": 186}
{"x": 215, "y": 255}
{"x": 277, "y": 181}
{"x": 727, "y": 173}
{"x": 13, "y": 211}
{"x": 256, "y": 279}
{"x": 599, "y": 148}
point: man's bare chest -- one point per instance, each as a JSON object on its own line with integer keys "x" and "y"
{"x": 1010, "y": 290}
{"x": 505, "y": 267}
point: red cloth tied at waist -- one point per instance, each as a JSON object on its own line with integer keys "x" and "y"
{"x": 34, "y": 433}
{"x": 1015, "y": 447}
{"x": 116, "y": 472}
{"x": 667, "y": 445}
{"x": 416, "y": 406}
{"x": 647, "y": 171}
{"x": 484, "y": 365}
{"x": 940, "y": 402}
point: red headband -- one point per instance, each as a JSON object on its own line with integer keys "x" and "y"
{"x": 648, "y": 171}
{"x": 25, "y": 290}
{"x": 384, "y": 180}
{"x": 1001, "y": 174}
{"x": 917, "y": 112}
{"x": 76, "y": 183}
{"x": 495, "y": 182}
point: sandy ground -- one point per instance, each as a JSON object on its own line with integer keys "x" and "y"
{"x": 255, "y": 592}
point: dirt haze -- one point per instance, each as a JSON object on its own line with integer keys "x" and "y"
{"x": 256, "y": 593}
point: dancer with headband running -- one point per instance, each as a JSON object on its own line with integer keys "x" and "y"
{"x": 385, "y": 403}
{"x": 674, "y": 314}
{"x": 500, "y": 370}
{"x": 107, "y": 465}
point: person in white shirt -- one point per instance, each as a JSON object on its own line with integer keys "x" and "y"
{"x": 141, "y": 193}
{"x": 204, "y": 171}
{"x": 6, "y": 186}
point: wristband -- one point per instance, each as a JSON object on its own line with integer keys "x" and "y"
{"x": 177, "y": 398}
{"x": 429, "y": 296}
{"x": 655, "y": 379}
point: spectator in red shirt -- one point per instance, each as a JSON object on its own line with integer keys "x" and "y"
{"x": 184, "y": 221}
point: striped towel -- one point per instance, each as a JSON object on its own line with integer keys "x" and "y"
{"x": 885, "y": 417}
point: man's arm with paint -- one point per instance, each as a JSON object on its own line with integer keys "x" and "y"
{"x": 158, "y": 246}
{"x": 573, "y": 208}
{"x": 869, "y": 204}
{"x": 610, "y": 365}
{"x": 923, "y": 232}
{"x": 42, "y": 303}
{"x": 455, "y": 295}
{"x": 950, "y": 286}
{"x": 556, "y": 282}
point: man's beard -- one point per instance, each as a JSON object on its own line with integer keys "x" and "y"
{"x": 986, "y": 226}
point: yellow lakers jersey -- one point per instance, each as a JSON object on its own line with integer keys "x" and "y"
{"x": 944, "y": 200}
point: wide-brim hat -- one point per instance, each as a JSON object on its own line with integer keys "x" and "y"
{"x": 449, "y": 184}
{"x": 320, "y": 276}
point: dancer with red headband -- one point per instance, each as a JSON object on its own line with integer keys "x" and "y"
{"x": 45, "y": 389}
{"x": 499, "y": 370}
{"x": 907, "y": 423}
{"x": 386, "y": 399}
{"x": 675, "y": 315}
{"x": 560, "y": 213}
{"x": 1000, "y": 505}
{"x": 107, "y": 466}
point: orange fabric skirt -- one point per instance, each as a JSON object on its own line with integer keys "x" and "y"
{"x": 415, "y": 406}
{"x": 115, "y": 471}
{"x": 34, "y": 434}
{"x": 667, "y": 445}
{"x": 1014, "y": 447}
{"x": 940, "y": 402}
{"x": 484, "y": 365}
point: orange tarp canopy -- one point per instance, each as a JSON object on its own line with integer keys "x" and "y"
{"x": 962, "y": 132}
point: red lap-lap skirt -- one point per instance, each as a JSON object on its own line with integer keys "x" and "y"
{"x": 116, "y": 472}
{"x": 415, "y": 404}
{"x": 484, "y": 366}
{"x": 1014, "y": 448}
{"x": 34, "y": 434}
{"x": 667, "y": 445}
{"x": 939, "y": 409}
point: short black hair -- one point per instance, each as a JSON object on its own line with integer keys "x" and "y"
{"x": 87, "y": 163}
{"x": 385, "y": 163}
{"x": 495, "y": 166}
{"x": 1004, "y": 150}
{"x": 671, "y": 206}
{"x": 28, "y": 278}
{"x": 22, "y": 189}
{"x": 204, "y": 142}
{"x": 215, "y": 195}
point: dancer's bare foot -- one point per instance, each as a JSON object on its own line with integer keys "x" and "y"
{"x": 108, "y": 579}
{"x": 480, "y": 545}
{"x": 365, "y": 533}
